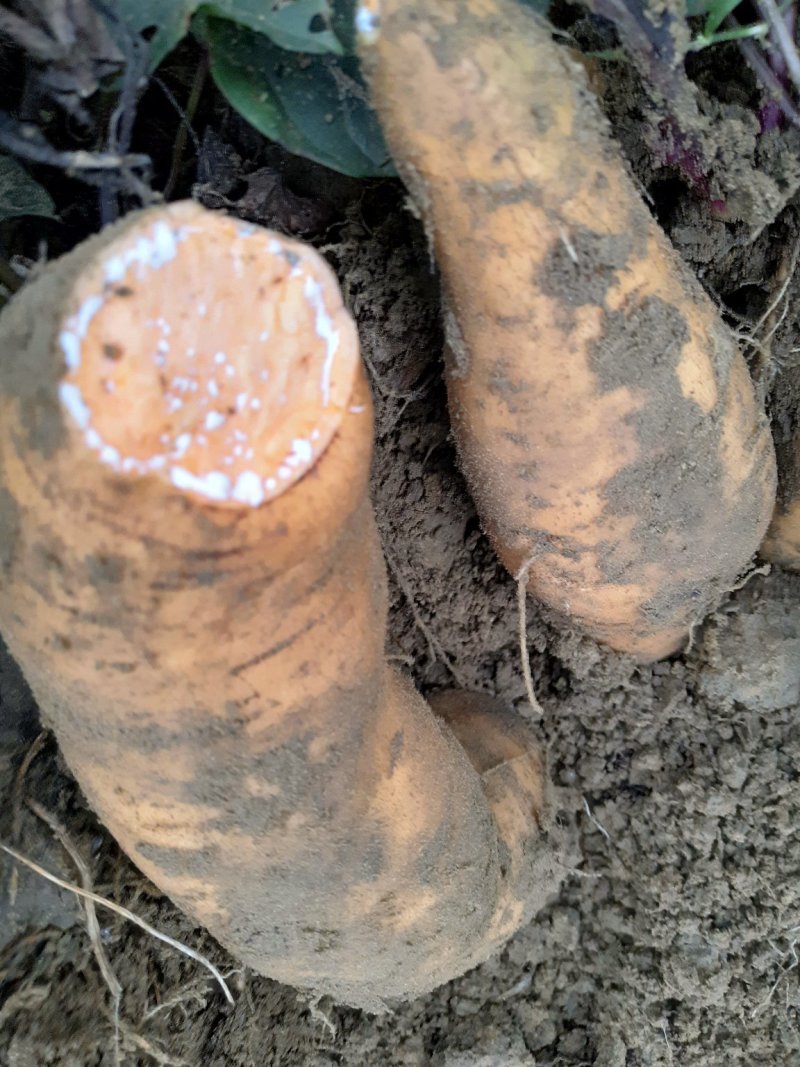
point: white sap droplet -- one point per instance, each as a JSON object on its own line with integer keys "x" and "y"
{"x": 109, "y": 456}
{"x": 248, "y": 489}
{"x": 181, "y": 444}
{"x": 215, "y": 485}
{"x": 164, "y": 244}
{"x": 214, "y": 419}
{"x": 114, "y": 269}
{"x": 325, "y": 330}
{"x": 90, "y": 308}
{"x": 302, "y": 450}
{"x": 71, "y": 347}
{"x": 368, "y": 24}
{"x": 72, "y": 399}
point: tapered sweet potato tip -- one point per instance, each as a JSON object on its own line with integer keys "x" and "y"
{"x": 210, "y": 353}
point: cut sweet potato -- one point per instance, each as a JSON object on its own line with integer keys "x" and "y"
{"x": 194, "y": 586}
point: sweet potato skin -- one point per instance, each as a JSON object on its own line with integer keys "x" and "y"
{"x": 604, "y": 417}
{"x": 782, "y": 543}
{"x": 217, "y": 682}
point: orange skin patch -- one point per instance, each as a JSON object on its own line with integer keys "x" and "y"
{"x": 162, "y": 379}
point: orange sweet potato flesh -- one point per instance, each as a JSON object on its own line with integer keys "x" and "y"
{"x": 209, "y": 646}
{"x": 604, "y": 417}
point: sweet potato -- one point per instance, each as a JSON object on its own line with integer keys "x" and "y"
{"x": 604, "y": 417}
{"x": 782, "y": 543}
{"x": 193, "y": 583}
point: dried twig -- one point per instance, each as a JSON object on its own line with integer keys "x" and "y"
{"x": 28, "y": 142}
{"x": 761, "y": 68}
{"x": 769, "y": 12}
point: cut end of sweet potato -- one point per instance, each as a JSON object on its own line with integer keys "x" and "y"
{"x": 210, "y": 353}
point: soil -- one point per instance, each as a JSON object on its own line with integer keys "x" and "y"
{"x": 673, "y": 936}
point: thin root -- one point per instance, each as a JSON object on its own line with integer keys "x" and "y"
{"x": 320, "y": 1016}
{"x": 764, "y": 570}
{"x": 522, "y": 612}
{"x": 179, "y": 1000}
{"x": 92, "y": 925}
{"x": 16, "y": 807}
{"x": 765, "y": 328}
{"x": 791, "y": 952}
{"x": 129, "y": 915}
{"x": 595, "y": 821}
{"x": 19, "y": 782}
{"x": 438, "y": 653}
{"x": 149, "y": 1049}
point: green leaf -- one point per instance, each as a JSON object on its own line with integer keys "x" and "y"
{"x": 541, "y": 7}
{"x": 314, "y": 105}
{"x": 698, "y": 7}
{"x": 297, "y": 25}
{"x": 168, "y": 18}
{"x": 20, "y": 194}
{"x": 717, "y": 13}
